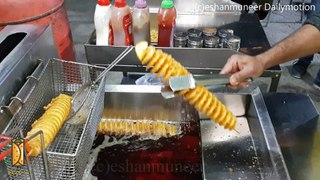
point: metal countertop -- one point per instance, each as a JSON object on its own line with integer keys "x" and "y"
{"x": 297, "y": 126}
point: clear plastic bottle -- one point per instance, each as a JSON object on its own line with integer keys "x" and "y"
{"x": 102, "y": 17}
{"x": 166, "y": 23}
{"x": 121, "y": 23}
{"x": 141, "y": 22}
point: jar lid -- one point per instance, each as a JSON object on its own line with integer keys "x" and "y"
{"x": 120, "y": 3}
{"x": 104, "y": 2}
{"x": 140, "y": 4}
{"x": 234, "y": 39}
{"x": 234, "y": 42}
{"x": 209, "y": 31}
{"x": 194, "y": 32}
{"x": 167, "y": 4}
{"x": 195, "y": 41}
{"x": 180, "y": 36}
{"x": 224, "y": 33}
{"x": 211, "y": 40}
{"x": 230, "y": 31}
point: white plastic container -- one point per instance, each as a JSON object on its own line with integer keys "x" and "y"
{"x": 141, "y": 22}
{"x": 121, "y": 22}
{"x": 102, "y": 18}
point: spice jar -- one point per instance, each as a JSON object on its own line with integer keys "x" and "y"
{"x": 209, "y": 32}
{"x": 234, "y": 42}
{"x": 230, "y": 31}
{"x": 195, "y": 42}
{"x": 211, "y": 42}
{"x": 180, "y": 39}
{"x": 194, "y": 33}
{"x": 223, "y": 34}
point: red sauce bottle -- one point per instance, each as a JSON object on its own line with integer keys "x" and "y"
{"x": 166, "y": 23}
{"x": 121, "y": 24}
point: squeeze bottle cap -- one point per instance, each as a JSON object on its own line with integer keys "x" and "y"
{"x": 120, "y": 3}
{"x": 140, "y": 4}
{"x": 167, "y": 4}
{"x": 104, "y": 2}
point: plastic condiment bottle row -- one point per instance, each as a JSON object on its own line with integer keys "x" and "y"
{"x": 117, "y": 26}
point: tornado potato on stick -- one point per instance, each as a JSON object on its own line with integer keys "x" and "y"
{"x": 204, "y": 101}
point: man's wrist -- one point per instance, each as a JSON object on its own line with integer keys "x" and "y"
{"x": 264, "y": 60}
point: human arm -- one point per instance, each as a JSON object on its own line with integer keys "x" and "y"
{"x": 303, "y": 42}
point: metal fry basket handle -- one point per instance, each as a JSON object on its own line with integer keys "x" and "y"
{"x": 85, "y": 89}
{"x": 21, "y": 97}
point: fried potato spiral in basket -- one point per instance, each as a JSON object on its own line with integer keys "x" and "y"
{"x": 50, "y": 123}
{"x": 204, "y": 101}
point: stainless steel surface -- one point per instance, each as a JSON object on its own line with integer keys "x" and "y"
{"x": 115, "y": 62}
{"x": 19, "y": 99}
{"x": 188, "y": 57}
{"x": 167, "y": 92}
{"x": 197, "y": 61}
{"x": 189, "y": 82}
{"x": 252, "y": 154}
{"x": 178, "y": 83}
{"x": 68, "y": 153}
{"x": 37, "y": 44}
{"x": 21, "y": 60}
{"x": 212, "y": 81}
{"x": 296, "y": 122}
{"x": 144, "y": 102}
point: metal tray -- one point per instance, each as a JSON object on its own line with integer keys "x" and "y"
{"x": 252, "y": 154}
{"x": 189, "y": 57}
{"x": 202, "y": 15}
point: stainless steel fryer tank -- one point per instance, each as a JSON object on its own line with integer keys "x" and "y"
{"x": 20, "y": 48}
{"x": 252, "y": 154}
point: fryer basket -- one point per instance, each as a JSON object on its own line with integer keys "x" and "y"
{"x": 68, "y": 153}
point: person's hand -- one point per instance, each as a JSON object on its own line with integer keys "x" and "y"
{"x": 242, "y": 67}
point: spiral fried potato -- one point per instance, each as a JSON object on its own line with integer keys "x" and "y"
{"x": 132, "y": 127}
{"x": 50, "y": 123}
{"x": 207, "y": 103}
{"x": 163, "y": 64}
{"x": 203, "y": 100}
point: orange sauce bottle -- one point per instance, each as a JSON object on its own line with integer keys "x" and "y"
{"x": 166, "y": 23}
